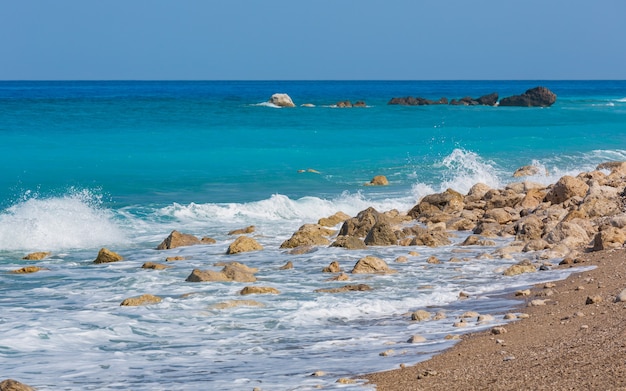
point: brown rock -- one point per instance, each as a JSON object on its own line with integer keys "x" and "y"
{"x": 381, "y": 234}
{"x": 332, "y": 268}
{"x": 242, "y": 231}
{"x": 27, "y": 270}
{"x": 433, "y": 260}
{"x": 608, "y": 238}
{"x": 349, "y": 242}
{"x": 532, "y": 199}
{"x": 421, "y": 315}
{"x": 593, "y": 299}
{"x": 207, "y": 240}
{"x": 287, "y": 266}
{"x": 499, "y": 215}
{"x": 228, "y": 273}
{"x": 362, "y": 223}
{"x": 526, "y": 171}
{"x": 14, "y": 385}
{"x": 177, "y": 239}
{"x": 346, "y": 288}
{"x": 449, "y": 201}
{"x": 107, "y": 256}
{"x": 236, "y": 303}
{"x": 259, "y": 290}
{"x": 154, "y": 266}
{"x": 378, "y": 180}
{"x": 308, "y": 235}
{"x": 371, "y": 264}
{"x": 333, "y": 220}
{"x": 534, "y": 97}
{"x": 566, "y": 188}
{"x": 416, "y": 339}
{"x": 529, "y": 228}
{"x": 141, "y": 300}
{"x": 243, "y": 244}
{"x": 431, "y": 239}
{"x": 522, "y": 267}
{"x": 37, "y": 256}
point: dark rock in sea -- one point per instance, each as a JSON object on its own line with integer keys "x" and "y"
{"x": 488, "y": 100}
{"x": 485, "y": 100}
{"x": 535, "y": 97}
{"x": 418, "y": 101}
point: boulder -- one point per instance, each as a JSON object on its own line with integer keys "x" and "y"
{"x": 362, "y": 223}
{"x": 449, "y": 201}
{"x": 431, "y": 239}
{"x": 207, "y": 240}
{"x": 308, "y": 235}
{"x": 27, "y": 270}
{"x": 37, "y": 256}
{"x": 499, "y": 215}
{"x": 371, "y": 264}
{"x": 332, "y": 268}
{"x": 488, "y": 100}
{"x": 566, "y": 188}
{"x": 259, "y": 290}
{"x": 523, "y": 267}
{"x": 243, "y": 244}
{"x": 349, "y": 242}
{"x": 14, "y": 385}
{"x": 532, "y": 199}
{"x": 378, "y": 180}
{"x": 231, "y": 272}
{"x": 534, "y": 97}
{"x": 346, "y": 288}
{"x": 421, "y": 315}
{"x": 141, "y": 300}
{"x": 242, "y": 231}
{"x": 333, "y": 220}
{"x": 608, "y": 238}
{"x": 343, "y": 103}
{"x": 526, "y": 171}
{"x": 107, "y": 256}
{"x": 177, "y": 239}
{"x": 477, "y": 192}
{"x": 238, "y": 265}
{"x": 417, "y": 101}
{"x": 154, "y": 266}
{"x": 381, "y": 234}
{"x": 529, "y": 228}
{"x": 568, "y": 233}
{"x": 281, "y": 100}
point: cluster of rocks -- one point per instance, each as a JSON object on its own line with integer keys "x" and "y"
{"x": 534, "y": 97}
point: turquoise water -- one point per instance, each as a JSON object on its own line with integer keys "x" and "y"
{"x": 87, "y": 165}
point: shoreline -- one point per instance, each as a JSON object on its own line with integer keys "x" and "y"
{"x": 576, "y": 340}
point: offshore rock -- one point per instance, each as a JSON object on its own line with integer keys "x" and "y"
{"x": 177, "y": 239}
{"x": 231, "y": 272}
{"x": 332, "y": 268}
{"x": 378, "y": 180}
{"x": 333, "y": 220}
{"x": 14, "y": 385}
{"x": 281, "y": 100}
{"x": 107, "y": 256}
{"x": 535, "y": 97}
{"x": 242, "y": 231}
{"x": 417, "y": 101}
{"x": 27, "y": 270}
{"x": 259, "y": 290}
{"x": 346, "y": 288}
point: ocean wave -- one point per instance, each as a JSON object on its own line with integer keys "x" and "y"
{"x": 72, "y": 221}
{"x": 622, "y": 100}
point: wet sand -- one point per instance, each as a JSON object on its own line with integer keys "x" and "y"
{"x": 575, "y": 341}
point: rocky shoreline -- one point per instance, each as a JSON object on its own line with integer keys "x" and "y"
{"x": 565, "y": 221}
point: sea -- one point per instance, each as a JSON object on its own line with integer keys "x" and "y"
{"x": 120, "y": 164}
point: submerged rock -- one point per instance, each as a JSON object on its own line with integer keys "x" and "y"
{"x": 37, "y": 256}
{"x": 141, "y": 300}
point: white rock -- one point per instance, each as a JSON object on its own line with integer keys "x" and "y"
{"x": 281, "y": 100}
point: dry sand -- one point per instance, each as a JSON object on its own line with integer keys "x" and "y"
{"x": 565, "y": 344}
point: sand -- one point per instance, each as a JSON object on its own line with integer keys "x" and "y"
{"x": 566, "y": 344}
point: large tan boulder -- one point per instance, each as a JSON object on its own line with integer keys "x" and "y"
{"x": 243, "y": 244}
{"x": 362, "y": 223}
{"x": 381, "y": 234}
{"x": 569, "y": 234}
{"x": 431, "y": 239}
{"x": 533, "y": 198}
{"x": 502, "y": 199}
{"x": 259, "y": 290}
{"x": 608, "y": 238}
{"x": 477, "y": 192}
{"x": 141, "y": 300}
{"x": 107, "y": 256}
{"x": 281, "y": 100}
{"x": 371, "y": 264}
{"x": 529, "y": 228}
{"x": 14, "y": 385}
{"x": 230, "y": 272}
{"x": 566, "y": 188}
{"x": 449, "y": 201}
{"x": 308, "y": 235}
{"x": 242, "y": 231}
{"x": 499, "y": 215}
{"x": 177, "y": 239}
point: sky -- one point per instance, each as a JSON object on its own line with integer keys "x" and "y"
{"x": 312, "y": 39}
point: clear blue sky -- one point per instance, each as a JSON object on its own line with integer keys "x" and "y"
{"x": 315, "y": 39}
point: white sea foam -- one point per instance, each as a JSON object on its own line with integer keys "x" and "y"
{"x": 621, "y": 100}
{"x": 72, "y": 221}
